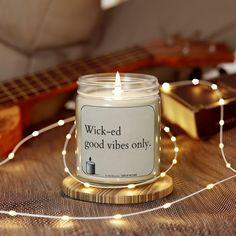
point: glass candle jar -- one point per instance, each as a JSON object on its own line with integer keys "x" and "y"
{"x": 118, "y": 128}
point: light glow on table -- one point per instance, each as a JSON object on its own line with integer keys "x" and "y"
{"x": 210, "y": 186}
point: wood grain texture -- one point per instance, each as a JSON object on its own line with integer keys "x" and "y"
{"x": 150, "y": 192}
{"x": 10, "y": 128}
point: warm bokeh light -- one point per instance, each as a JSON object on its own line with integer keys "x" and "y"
{"x": 195, "y": 81}
{"x": 214, "y": 86}
{"x": 11, "y": 155}
{"x": 117, "y": 216}
{"x": 35, "y": 133}
{"x": 210, "y": 186}
{"x": 165, "y": 87}
{"x": 65, "y": 217}
{"x": 87, "y": 185}
{"x": 60, "y": 122}
{"x": 63, "y": 152}
{"x": 221, "y": 101}
{"x": 167, "y": 205}
{"x": 12, "y": 213}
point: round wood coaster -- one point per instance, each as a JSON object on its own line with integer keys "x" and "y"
{"x": 159, "y": 189}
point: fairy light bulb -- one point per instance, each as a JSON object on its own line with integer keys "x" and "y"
{"x": 167, "y": 205}
{"x": 195, "y": 81}
{"x": 176, "y": 149}
{"x": 221, "y": 145}
{"x": 221, "y": 101}
{"x": 221, "y": 122}
{"x": 173, "y": 138}
{"x": 11, "y": 155}
{"x": 117, "y": 216}
{"x": 68, "y": 136}
{"x": 65, "y": 217}
{"x": 12, "y": 213}
{"x": 63, "y": 152}
{"x": 66, "y": 169}
{"x": 165, "y": 87}
{"x": 163, "y": 174}
{"x": 167, "y": 129}
{"x": 228, "y": 165}
{"x": 210, "y": 186}
{"x": 86, "y": 185}
{"x": 61, "y": 122}
{"x": 35, "y": 133}
{"x": 174, "y": 161}
{"x": 214, "y": 87}
{"x": 130, "y": 186}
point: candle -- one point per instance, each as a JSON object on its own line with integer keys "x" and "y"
{"x": 90, "y": 167}
{"x": 118, "y": 128}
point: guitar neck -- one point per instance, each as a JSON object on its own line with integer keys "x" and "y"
{"x": 63, "y": 77}
{"x": 177, "y": 53}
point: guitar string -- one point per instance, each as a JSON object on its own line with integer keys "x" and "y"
{"x": 15, "y": 94}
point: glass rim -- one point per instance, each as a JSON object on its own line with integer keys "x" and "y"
{"x": 107, "y": 80}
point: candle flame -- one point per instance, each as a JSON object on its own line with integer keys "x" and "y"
{"x": 118, "y": 90}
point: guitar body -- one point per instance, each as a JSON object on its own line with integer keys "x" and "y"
{"x": 30, "y": 99}
{"x": 10, "y": 128}
{"x": 14, "y": 119}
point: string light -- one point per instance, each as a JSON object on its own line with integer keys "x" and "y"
{"x": 195, "y": 81}
{"x": 11, "y": 155}
{"x": 163, "y": 174}
{"x": 165, "y": 87}
{"x": 65, "y": 217}
{"x": 35, "y": 133}
{"x": 173, "y": 138}
{"x": 130, "y": 186}
{"x": 117, "y": 216}
{"x": 167, "y": 129}
{"x": 210, "y": 186}
{"x": 221, "y": 145}
{"x": 61, "y": 122}
{"x": 12, "y": 213}
{"x": 167, "y": 205}
{"x": 214, "y": 87}
{"x": 221, "y": 101}
{"x": 176, "y": 149}
{"x": 87, "y": 185}
{"x": 174, "y": 161}
{"x": 228, "y": 165}
{"x": 63, "y": 152}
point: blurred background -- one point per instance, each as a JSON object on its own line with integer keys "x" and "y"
{"x": 35, "y": 35}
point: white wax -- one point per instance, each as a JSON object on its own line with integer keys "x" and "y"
{"x": 138, "y": 152}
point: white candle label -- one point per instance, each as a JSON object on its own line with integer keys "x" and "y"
{"x": 117, "y": 141}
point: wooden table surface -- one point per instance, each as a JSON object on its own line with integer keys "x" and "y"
{"x": 32, "y": 183}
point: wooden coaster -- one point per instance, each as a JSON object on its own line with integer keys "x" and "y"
{"x": 159, "y": 189}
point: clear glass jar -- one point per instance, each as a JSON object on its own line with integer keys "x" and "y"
{"x": 118, "y": 128}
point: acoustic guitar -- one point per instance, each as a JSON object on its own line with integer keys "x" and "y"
{"x": 20, "y": 96}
